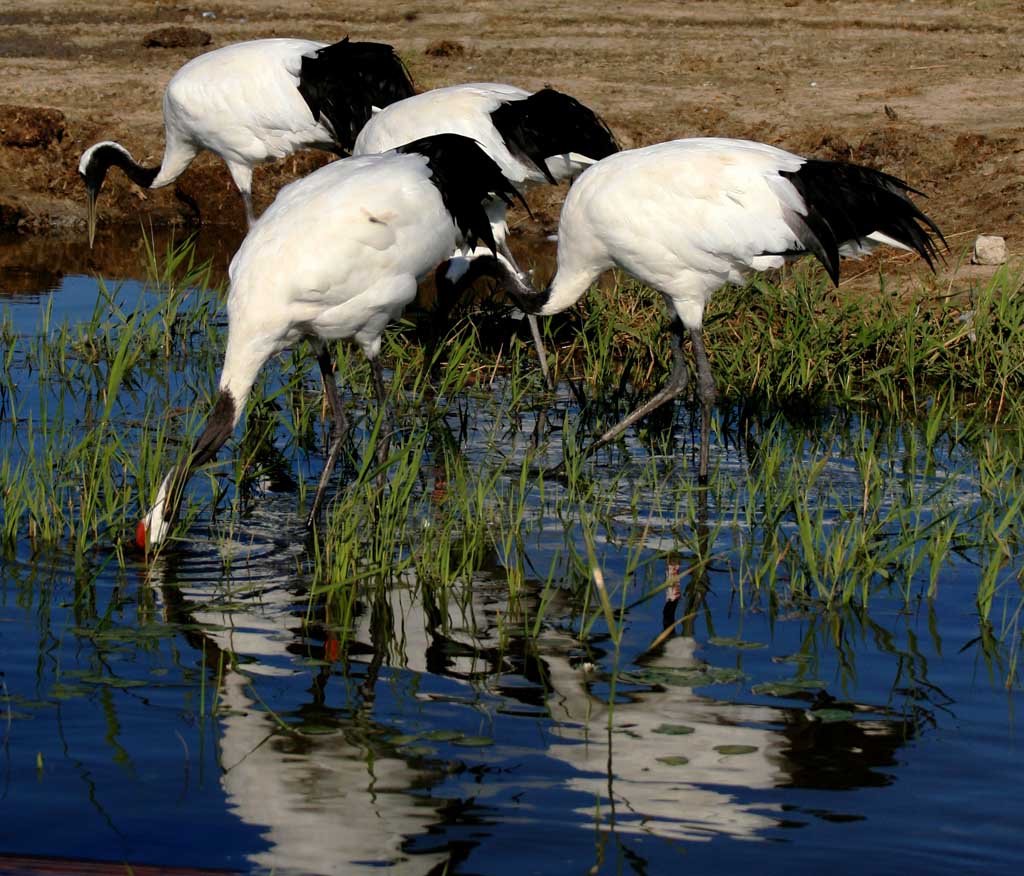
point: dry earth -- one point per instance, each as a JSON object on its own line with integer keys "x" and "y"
{"x": 814, "y": 76}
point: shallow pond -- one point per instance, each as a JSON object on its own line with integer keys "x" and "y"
{"x": 202, "y": 711}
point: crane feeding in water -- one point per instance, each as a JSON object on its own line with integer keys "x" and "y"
{"x": 255, "y": 102}
{"x": 338, "y": 256}
{"x": 536, "y": 139}
{"x": 689, "y": 216}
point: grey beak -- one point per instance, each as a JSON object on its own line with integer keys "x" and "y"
{"x": 91, "y": 217}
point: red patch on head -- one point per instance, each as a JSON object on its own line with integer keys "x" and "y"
{"x": 140, "y": 535}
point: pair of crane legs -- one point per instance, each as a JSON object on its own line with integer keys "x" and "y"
{"x": 676, "y": 385}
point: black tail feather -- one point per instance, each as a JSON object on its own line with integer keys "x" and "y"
{"x": 847, "y": 202}
{"x": 550, "y": 123}
{"x": 466, "y": 177}
{"x": 345, "y": 80}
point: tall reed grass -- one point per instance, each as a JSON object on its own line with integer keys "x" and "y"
{"x": 864, "y": 445}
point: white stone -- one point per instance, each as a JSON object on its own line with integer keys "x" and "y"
{"x": 989, "y": 249}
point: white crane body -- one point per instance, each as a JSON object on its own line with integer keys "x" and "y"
{"x": 685, "y": 217}
{"x": 254, "y": 85}
{"x": 465, "y": 109}
{"x": 259, "y": 101}
{"x": 535, "y": 138}
{"x": 689, "y": 216}
{"x": 337, "y": 256}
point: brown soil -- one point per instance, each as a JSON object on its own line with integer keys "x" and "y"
{"x": 929, "y": 91}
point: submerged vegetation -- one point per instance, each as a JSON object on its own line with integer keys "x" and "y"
{"x": 864, "y": 443}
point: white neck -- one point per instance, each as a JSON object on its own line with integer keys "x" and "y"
{"x": 242, "y": 363}
{"x": 568, "y": 287}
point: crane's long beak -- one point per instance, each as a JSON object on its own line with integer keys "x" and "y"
{"x": 519, "y": 287}
{"x": 91, "y": 215}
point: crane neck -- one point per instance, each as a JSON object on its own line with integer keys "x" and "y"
{"x": 567, "y": 287}
{"x": 105, "y": 155}
{"x": 519, "y": 288}
{"x": 155, "y": 526}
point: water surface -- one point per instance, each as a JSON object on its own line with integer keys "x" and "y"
{"x": 201, "y": 711}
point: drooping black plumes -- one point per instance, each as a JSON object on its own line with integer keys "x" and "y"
{"x": 344, "y": 81}
{"x": 466, "y": 177}
{"x": 550, "y": 123}
{"x": 847, "y": 202}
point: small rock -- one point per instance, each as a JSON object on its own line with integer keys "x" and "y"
{"x": 445, "y": 49}
{"x": 28, "y": 126}
{"x": 176, "y": 37}
{"x": 989, "y": 249}
{"x": 210, "y": 15}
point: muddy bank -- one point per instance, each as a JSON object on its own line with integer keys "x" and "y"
{"x": 927, "y": 90}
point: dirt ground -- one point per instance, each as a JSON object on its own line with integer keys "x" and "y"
{"x": 930, "y": 91}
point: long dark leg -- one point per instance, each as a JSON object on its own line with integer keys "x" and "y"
{"x": 339, "y": 428}
{"x": 386, "y": 428}
{"x": 706, "y": 394}
{"x": 676, "y": 385}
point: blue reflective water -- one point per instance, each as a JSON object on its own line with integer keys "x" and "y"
{"x": 200, "y": 711}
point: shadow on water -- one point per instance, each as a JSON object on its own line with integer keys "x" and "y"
{"x": 33, "y": 264}
{"x": 30, "y": 264}
{"x": 501, "y": 720}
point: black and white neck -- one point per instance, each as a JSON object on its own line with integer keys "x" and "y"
{"x": 100, "y": 157}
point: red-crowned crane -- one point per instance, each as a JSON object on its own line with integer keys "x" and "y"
{"x": 255, "y": 102}
{"x": 336, "y": 256}
{"x": 689, "y": 216}
{"x": 536, "y": 139}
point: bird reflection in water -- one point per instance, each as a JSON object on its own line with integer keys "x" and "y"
{"x": 320, "y": 780}
{"x": 327, "y": 782}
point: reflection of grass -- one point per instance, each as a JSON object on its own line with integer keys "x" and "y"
{"x": 883, "y": 448}
{"x": 82, "y": 428}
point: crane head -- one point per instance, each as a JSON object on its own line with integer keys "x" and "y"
{"x": 92, "y": 168}
{"x": 154, "y": 528}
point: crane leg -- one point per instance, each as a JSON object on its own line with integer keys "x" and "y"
{"x": 676, "y": 385}
{"x": 242, "y": 176}
{"x": 386, "y": 426}
{"x": 339, "y": 428}
{"x": 706, "y": 394}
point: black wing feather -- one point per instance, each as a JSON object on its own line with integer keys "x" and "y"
{"x": 466, "y": 177}
{"x": 343, "y": 81}
{"x": 847, "y": 202}
{"x": 550, "y": 123}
